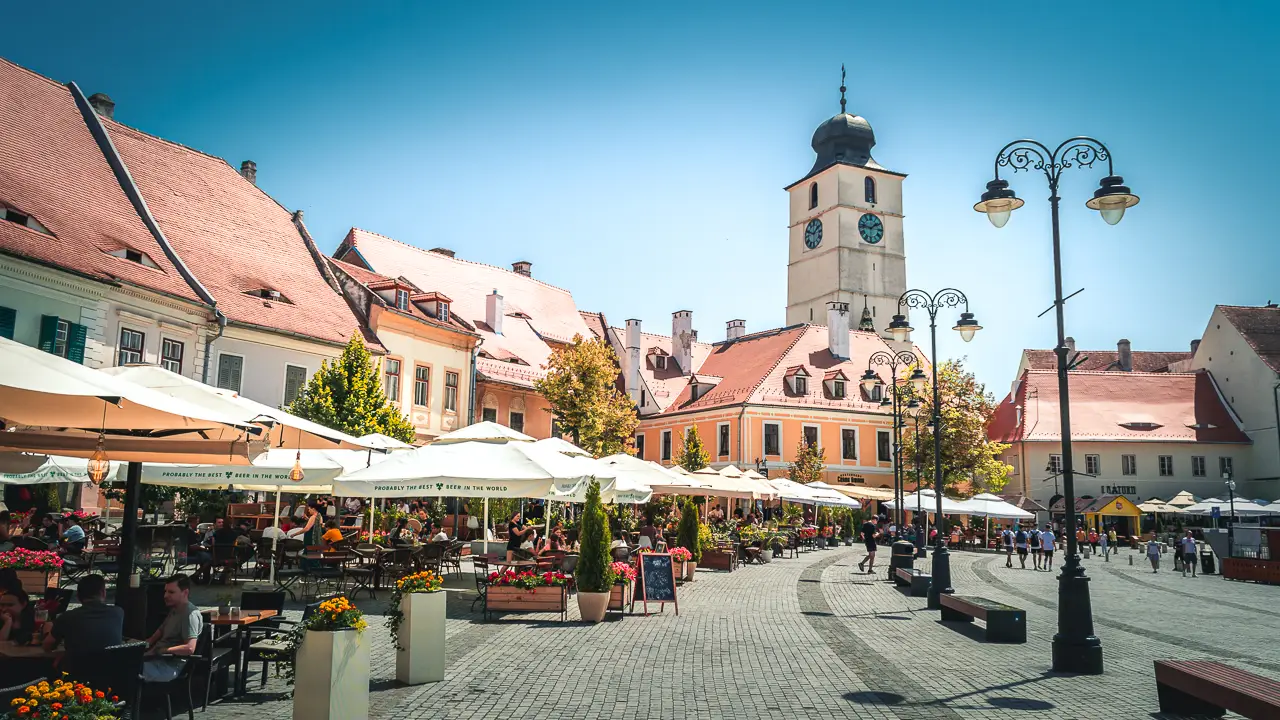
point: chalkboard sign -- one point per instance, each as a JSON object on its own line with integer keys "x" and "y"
{"x": 656, "y": 581}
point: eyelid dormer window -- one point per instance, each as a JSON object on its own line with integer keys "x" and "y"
{"x": 18, "y": 217}
{"x": 442, "y": 311}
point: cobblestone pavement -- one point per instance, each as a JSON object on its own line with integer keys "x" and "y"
{"x": 811, "y": 638}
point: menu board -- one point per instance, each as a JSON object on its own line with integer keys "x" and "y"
{"x": 655, "y": 581}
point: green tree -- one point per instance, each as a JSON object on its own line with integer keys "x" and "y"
{"x": 593, "y": 572}
{"x": 810, "y": 463}
{"x": 687, "y": 533}
{"x": 581, "y": 387}
{"x": 693, "y": 455}
{"x": 970, "y": 462}
{"x": 347, "y": 395}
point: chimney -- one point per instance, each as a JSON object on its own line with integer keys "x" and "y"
{"x": 633, "y": 361}
{"x": 1070, "y": 342}
{"x": 682, "y": 338}
{"x": 249, "y": 169}
{"x": 735, "y": 329}
{"x": 1124, "y": 357}
{"x": 838, "y": 329}
{"x": 522, "y": 267}
{"x": 103, "y": 105}
{"x": 1195, "y": 345}
{"x": 442, "y": 251}
{"x": 493, "y": 311}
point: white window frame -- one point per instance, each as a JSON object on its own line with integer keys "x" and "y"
{"x": 1227, "y": 465}
{"x": 839, "y": 389}
{"x": 181, "y": 360}
{"x": 427, "y": 400}
{"x": 1165, "y": 463}
{"x": 442, "y": 311}
{"x": 399, "y": 376}
{"x": 1055, "y": 463}
{"x": 665, "y": 448}
{"x": 1096, "y": 461}
{"x": 1129, "y": 465}
{"x": 451, "y": 405}
{"x": 402, "y": 300}
{"x": 120, "y": 349}
{"x": 888, "y": 434}
{"x": 218, "y": 365}
{"x": 728, "y": 446}
{"x": 62, "y": 338}
{"x": 844, "y": 457}
{"x": 818, "y": 428}
{"x": 1198, "y": 466}
{"x": 764, "y": 446}
{"x": 284, "y": 384}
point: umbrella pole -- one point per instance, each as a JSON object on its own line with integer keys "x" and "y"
{"x": 275, "y": 539}
{"x": 127, "y": 596}
{"x": 484, "y": 531}
{"x": 371, "y": 503}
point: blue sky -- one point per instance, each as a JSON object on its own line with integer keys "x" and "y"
{"x": 637, "y": 155}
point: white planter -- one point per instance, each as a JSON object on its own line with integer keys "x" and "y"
{"x": 422, "y": 637}
{"x": 332, "y": 676}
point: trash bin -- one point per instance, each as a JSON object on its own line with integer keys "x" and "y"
{"x": 1207, "y": 565}
{"x": 902, "y": 556}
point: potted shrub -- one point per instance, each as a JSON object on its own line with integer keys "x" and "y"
{"x": 684, "y": 556}
{"x": 64, "y": 699}
{"x": 512, "y": 591}
{"x": 688, "y": 537}
{"x": 415, "y": 618}
{"x": 224, "y": 604}
{"x": 331, "y": 663}
{"x": 624, "y": 581}
{"x": 594, "y": 576}
{"x": 36, "y": 569}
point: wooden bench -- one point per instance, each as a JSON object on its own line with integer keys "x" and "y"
{"x": 916, "y": 580}
{"x": 1005, "y": 623}
{"x": 1204, "y": 687}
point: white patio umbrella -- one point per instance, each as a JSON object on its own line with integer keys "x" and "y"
{"x": 929, "y": 503}
{"x": 378, "y": 441}
{"x": 993, "y": 506}
{"x": 795, "y": 492}
{"x": 630, "y": 470}
{"x": 35, "y": 469}
{"x": 1183, "y": 499}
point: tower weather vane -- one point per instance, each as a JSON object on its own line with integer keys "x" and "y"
{"x": 842, "y": 88}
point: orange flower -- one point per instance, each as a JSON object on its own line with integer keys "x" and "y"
{"x": 99, "y": 694}
{"x": 24, "y": 710}
{"x": 56, "y": 706}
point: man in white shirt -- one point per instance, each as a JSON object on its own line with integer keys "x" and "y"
{"x": 1187, "y": 545}
{"x": 1047, "y": 546}
{"x": 1006, "y": 539}
{"x": 1153, "y": 554}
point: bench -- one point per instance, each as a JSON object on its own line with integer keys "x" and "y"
{"x": 916, "y": 580}
{"x": 1005, "y": 623}
{"x": 1204, "y": 687}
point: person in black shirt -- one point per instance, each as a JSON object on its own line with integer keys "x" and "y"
{"x": 869, "y": 534}
{"x": 92, "y": 626}
{"x": 516, "y": 534}
{"x": 17, "y": 616}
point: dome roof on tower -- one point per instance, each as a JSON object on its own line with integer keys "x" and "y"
{"x": 845, "y": 139}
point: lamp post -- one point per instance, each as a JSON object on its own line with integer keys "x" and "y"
{"x": 1075, "y": 647}
{"x": 870, "y": 379}
{"x": 966, "y": 326}
{"x": 916, "y": 409}
{"x": 1231, "y": 524}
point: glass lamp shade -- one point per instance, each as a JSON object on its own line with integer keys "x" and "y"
{"x": 869, "y": 380}
{"x": 913, "y": 407}
{"x": 967, "y": 326}
{"x": 887, "y": 401}
{"x": 900, "y": 328}
{"x": 1111, "y": 199}
{"x": 918, "y": 380}
{"x": 99, "y": 464}
{"x": 998, "y": 202}
{"x": 295, "y": 473}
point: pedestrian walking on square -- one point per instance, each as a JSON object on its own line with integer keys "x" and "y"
{"x": 1153, "y": 554}
{"x": 1033, "y": 541}
{"x": 1093, "y": 540}
{"x": 1188, "y": 546}
{"x": 869, "y": 534}
{"x": 1102, "y": 541}
{"x": 1021, "y": 541}
{"x": 1047, "y": 544}
{"x": 1006, "y": 537}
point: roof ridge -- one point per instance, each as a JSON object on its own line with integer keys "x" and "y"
{"x": 777, "y": 361}
{"x": 464, "y": 260}
{"x": 167, "y": 141}
{"x": 1114, "y": 373}
{"x": 29, "y": 71}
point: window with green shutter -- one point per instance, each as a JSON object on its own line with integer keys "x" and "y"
{"x": 8, "y": 318}
{"x": 48, "y": 332}
{"x": 295, "y": 377}
{"x": 229, "y": 369}
{"x": 76, "y": 336}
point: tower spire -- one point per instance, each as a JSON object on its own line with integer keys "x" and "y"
{"x": 866, "y": 324}
{"x": 842, "y": 88}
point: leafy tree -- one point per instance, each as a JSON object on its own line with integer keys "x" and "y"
{"x": 687, "y": 533}
{"x": 693, "y": 455}
{"x": 810, "y": 463}
{"x": 347, "y": 395}
{"x": 581, "y": 387}
{"x": 970, "y": 462}
{"x": 593, "y": 572}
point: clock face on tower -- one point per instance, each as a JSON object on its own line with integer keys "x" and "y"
{"x": 870, "y": 228}
{"x": 813, "y": 234}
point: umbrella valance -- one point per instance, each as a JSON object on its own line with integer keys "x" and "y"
{"x": 989, "y": 505}
{"x": 929, "y": 504}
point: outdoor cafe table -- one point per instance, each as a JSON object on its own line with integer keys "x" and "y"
{"x": 502, "y": 561}
{"x": 22, "y": 663}
{"x": 239, "y": 622}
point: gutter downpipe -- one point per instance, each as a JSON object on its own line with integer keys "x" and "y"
{"x": 1275, "y": 398}
{"x": 208, "y": 343}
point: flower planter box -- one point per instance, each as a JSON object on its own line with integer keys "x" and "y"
{"x": 717, "y": 560}
{"x": 508, "y": 598}
{"x": 820, "y": 543}
{"x": 332, "y": 676}
{"x": 422, "y": 637}
{"x": 620, "y": 597}
{"x": 34, "y": 582}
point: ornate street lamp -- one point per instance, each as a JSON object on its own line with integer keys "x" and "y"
{"x": 966, "y": 326}
{"x": 893, "y": 361}
{"x": 1075, "y": 647}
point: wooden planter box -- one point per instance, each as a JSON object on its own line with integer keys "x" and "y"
{"x": 717, "y": 560}
{"x": 34, "y": 582}
{"x": 620, "y": 597}
{"x": 507, "y": 598}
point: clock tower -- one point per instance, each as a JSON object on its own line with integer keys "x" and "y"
{"x": 845, "y": 233}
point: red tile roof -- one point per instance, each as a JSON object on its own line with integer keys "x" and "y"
{"x": 596, "y": 323}
{"x": 664, "y": 385}
{"x": 1102, "y": 360}
{"x": 1260, "y": 327}
{"x": 1181, "y": 407}
{"x": 374, "y": 281}
{"x": 51, "y": 169}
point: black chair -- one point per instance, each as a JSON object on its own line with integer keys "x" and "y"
{"x": 30, "y": 542}
{"x": 567, "y": 566}
{"x": 211, "y": 654}
{"x": 288, "y": 561}
{"x": 481, "y": 568}
{"x": 182, "y": 680}
{"x": 431, "y": 556}
{"x": 226, "y": 560}
{"x": 62, "y": 595}
{"x": 9, "y": 694}
{"x": 362, "y": 571}
{"x": 273, "y": 645}
{"x": 115, "y": 670}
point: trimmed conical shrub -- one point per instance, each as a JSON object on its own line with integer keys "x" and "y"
{"x": 593, "y": 573}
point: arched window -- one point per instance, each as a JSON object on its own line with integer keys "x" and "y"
{"x": 813, "y": 195}
{"x": 870, "y": 185}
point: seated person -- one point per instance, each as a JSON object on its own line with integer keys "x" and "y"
{"x": 72, "y": 535}
{"x": 92, "y": 626}
{"x": 198, "y": 555}
{"x": 6, "y": 542}
{"x": 401, "y": 535}
{"x": 440, "y": 535}
{"x": 331, "y": 534}
{"x": 223, "y": 534}
{"x": 273, "y": 532}
{"x": 617, "y": 541}
{"x": 177, "y": 634}
{"x": 17, "y": 616}
{"x": 48, "y": 528}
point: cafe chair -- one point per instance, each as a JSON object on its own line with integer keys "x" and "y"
{"x": 621, "y": 554}
{"x": 453, "y": 556}
{"x": 182, "y": 680}
{"x": 361, "y": 569}
{"x": 330, "y": 570}
{"x": 226, "y": 560}
{"x": 431, "y": 556}
{"x": 118, "y": 667}
{"x": 9, "y": 694}
{"x": 567, "y": 566}
{"x": 480, "y": 567}
{"x": 288, "y": 561}
{"x": 273, "y": 643}
{"x": 210, "y": 657}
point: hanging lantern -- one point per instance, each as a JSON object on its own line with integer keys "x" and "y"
{"x": 99, "y": 464}
{"x": 296, "y": 474}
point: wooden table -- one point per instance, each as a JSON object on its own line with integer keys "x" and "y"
{"x": 27, "y": 652}
{"x": 239, "y": 622}
{"x": 502, "y": 561}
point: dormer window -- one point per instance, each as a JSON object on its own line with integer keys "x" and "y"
{"x": 696, "y": 392}
{"x": 837, "y": 384}
{"x": 442, "y": 311}
{"x": 660, "y": 362}
{"x": 837, "y": 389}
{"x": 802, "y": 386}
{"x": 700, "y": 384}
{"x": 269, "y": 294}
{"x": 18, "y": 217}
{"x": 402, "y": 300}
{"x": 798, "y": 379}
{"x": 134, "y": 256}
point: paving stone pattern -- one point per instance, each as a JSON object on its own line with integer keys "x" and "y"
{"x": 811, "y": 637}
